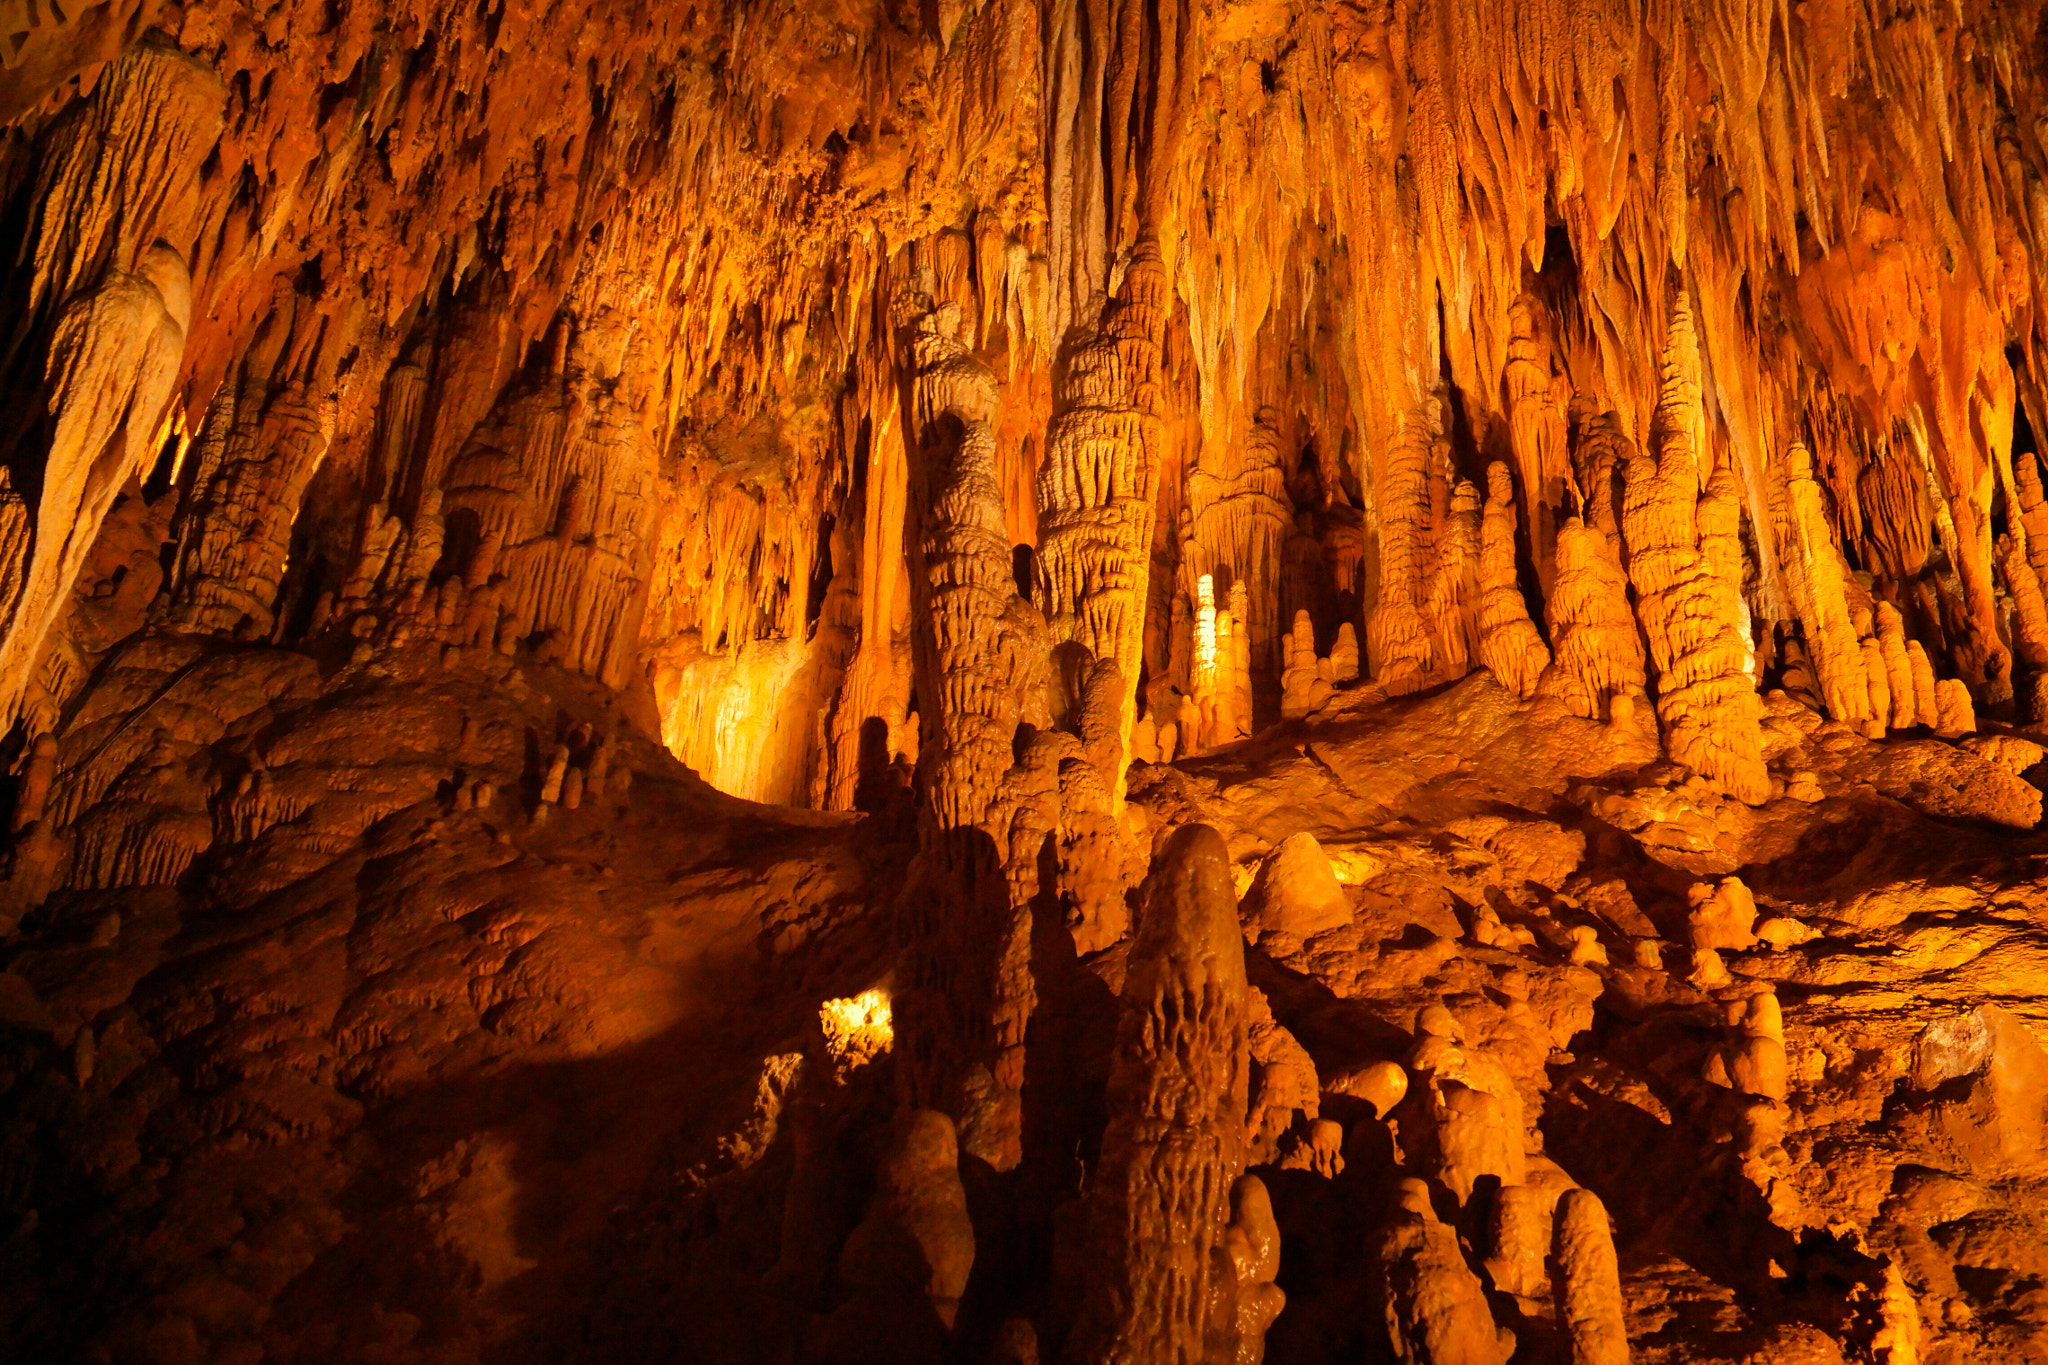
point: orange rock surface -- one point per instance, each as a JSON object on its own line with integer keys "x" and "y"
{"x": 1159, "y": 684}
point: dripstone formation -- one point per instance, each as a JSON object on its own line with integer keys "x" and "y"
{"x": 1029, "y": 682}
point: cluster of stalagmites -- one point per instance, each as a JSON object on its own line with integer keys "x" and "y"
{"x": 1171, "y": 1250}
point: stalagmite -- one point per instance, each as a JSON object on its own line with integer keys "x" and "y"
{"x": 1722, "y": 916}
{"x": 1159, "y": 1203}
{"x": 857, "y": 433}
{"x": 1508, "y": 643}
{"x": 557, "y": 773}
{"x": 1756, "y": 1063}
{"x": 1344, "y": 656}
{"x": 1476, "y": 1107}
{"x": 1239, "y": 516}
{"x": 1926, "y": 699}
{"x": 1436, "y": 1310}
{"x": 1706, "y": 702}
{"x": 1209, "y": 679}
{"x": 1823, "y": 605}
{"x": 1954, "y": 713}
{"x": 919, "y": 1191}
{"x": 237, "y": 541}
{"x": 1381, "y": 1084}
{"x": 1589, "y": 1288}
{"x": 2030, "y": 608}
{"x": 1456, "y": 597}
{"x": 1519, "y": 1233}
{"x": 1296, "y": 891}
{"x": 1898, "y": 667}
{"x": 1601, "y": 456}
{"x": 1306, "y": 681}
{"x": 1599, "y": 655}
{"x": 1878, "y": 683}
{"x": 1234, "y": 650}
{"x": 39, "y": 769}
{"x": 1284, "y": 1092}
{"x": 1399, "y": 637}
{"x": 966, "y": 583}
{"x": 1252, "y": 1242}
{"x": 1538, "y": 433}
{"x": 1097, "y": 489}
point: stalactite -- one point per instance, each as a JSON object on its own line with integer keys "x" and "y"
{"x": 876, "y": 409}
{"x": 113, "y": 365}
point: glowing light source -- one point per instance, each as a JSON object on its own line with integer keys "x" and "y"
{"x": 858, "y": 1028}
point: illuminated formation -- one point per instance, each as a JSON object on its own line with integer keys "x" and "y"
{"x": 1301, "y": 681}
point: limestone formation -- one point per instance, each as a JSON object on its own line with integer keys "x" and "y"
{"x": 1508, "y": 643}
{"x": 1599, "y": 655}
{"x": 1589, "y": 1288}
{"x": 1252, "y": 1243}
{"x": 1296, "y": 892}
{"x": 604, "y": 608}
{"x": 1435, "y": 1307}
{"x": 1159, "y": 1203}
{"x": 112, "y": 367}
{"x": 1689, "y": 612}
{"x": 1400, "y": 637}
